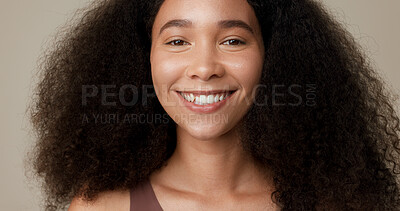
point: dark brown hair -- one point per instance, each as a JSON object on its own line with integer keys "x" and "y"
{"x": 338, "y": 150}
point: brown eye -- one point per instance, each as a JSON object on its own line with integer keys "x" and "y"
{"x": 233, "y": 42}
{"x": 177, "y": 42}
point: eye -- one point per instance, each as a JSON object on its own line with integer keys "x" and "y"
{"x": 233, "y": 42}
{"x": 177, "y": 42}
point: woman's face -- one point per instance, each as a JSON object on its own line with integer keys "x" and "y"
{"x": 211, "y": 52}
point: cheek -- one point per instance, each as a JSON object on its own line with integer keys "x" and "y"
{"x": 247, "y": 70}
{"x": 165, "y": 70}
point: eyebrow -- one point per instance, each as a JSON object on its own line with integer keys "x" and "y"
{"x": 225, "y": 24}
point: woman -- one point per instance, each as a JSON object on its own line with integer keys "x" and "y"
{"x": 257, "y": 105}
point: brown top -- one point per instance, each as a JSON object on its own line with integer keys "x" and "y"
{"x": 143, "y": 198}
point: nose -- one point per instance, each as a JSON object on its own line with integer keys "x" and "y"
{"x": 205, "y": 64}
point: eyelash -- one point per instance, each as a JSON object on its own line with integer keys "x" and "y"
{"x": 170, "y": 43}
{"x": 173, "y": 41}
{"x": 240, "y": 42}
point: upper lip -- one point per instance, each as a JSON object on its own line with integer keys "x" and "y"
{"x": 207, "y": 92}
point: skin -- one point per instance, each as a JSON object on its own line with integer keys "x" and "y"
{"x": 203, "y": 59}
{"x": 208, "y": 170}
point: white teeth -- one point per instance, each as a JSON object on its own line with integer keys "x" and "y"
{"x": 210, "y": 99}
{"x": 188, "y": 98}
{"x": 191, "y": 97}
{"x": 216, "y": 98}
{"x": 204, "y": 99}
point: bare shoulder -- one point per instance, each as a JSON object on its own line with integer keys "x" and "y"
{"x": 109, "y": 200}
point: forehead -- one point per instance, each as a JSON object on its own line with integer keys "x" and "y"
{"x": 205, "y": 12}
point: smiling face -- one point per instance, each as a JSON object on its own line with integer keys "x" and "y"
{"x": 206, "y": 59}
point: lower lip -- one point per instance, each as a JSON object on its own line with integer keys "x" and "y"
{"x": 205, "y": 109}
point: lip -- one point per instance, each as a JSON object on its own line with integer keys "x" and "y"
{"x": 207, "y": 92}
{"x": 205, "y": 109}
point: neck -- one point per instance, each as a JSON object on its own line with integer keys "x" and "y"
{"x": 214, "y": 165}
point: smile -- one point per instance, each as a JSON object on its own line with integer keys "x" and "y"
{"x": 205, "y": 101}
{"x": 200, "y": 99}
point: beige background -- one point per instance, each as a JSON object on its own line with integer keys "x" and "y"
{"x": 27, "y": 26}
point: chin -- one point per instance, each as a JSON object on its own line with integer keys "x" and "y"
{"x": 205, "y": 132}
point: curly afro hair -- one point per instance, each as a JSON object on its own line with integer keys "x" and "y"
{"x": 341, "y": 152}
